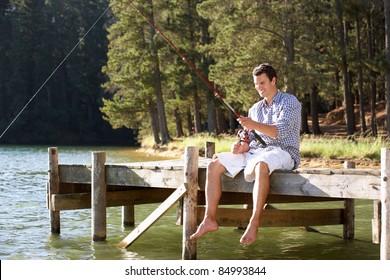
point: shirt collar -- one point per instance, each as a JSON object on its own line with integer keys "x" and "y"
{"x": 276, "y": 99}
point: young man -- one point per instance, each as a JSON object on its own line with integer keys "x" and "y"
{"x": 277, "y": 120}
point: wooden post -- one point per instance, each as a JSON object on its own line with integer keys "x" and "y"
{"x": 385, "y": 201}
{"x": 349, "y": 211}
{"x": 209, "y": 149}
{"x": 128, "y": 216}
{"x": 53, "y": 188}
{"x": 98, "y": 196}
{"x": 190, "y": 202}
{"x": 376, "y": 222}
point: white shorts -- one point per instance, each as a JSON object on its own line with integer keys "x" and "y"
{"x": 275, "y": 159}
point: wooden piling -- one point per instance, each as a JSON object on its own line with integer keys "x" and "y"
{"x": 385, "y": 201}
{"x": 209, "y": 149}
{"x": 53, "y": 188}
{"x": 349, "y": 210}
{"x": 376, "y": 222}
{"x": 98, "y": 196}
{"x": 190, "y": 202}
{"x": 128, "y": 216}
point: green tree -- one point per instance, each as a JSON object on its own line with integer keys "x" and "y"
{"x": 134, "y": 71}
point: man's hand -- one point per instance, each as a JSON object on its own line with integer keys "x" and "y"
{"x": 247, "y": 123}
{"x": 240, "y": 147}
{"x": 267, "y": 129}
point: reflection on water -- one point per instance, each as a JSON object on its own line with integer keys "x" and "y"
{"x": 25, "y": 228}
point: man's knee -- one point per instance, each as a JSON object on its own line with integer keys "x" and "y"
{"x": 262, "y": 168}
{"x": 215, "y": 167}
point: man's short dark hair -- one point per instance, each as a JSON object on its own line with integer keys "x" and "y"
{"x": 267, "y": 69}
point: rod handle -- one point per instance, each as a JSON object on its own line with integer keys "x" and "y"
{"x": 257, "y": 136}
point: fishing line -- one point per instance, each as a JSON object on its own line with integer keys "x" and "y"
{"x": 200, "y": 75}
{"x": 55, "y": 70}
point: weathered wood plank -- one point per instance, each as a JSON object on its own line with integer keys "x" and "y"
{"x": 319, "y": 182}
{"x": 154, "y": 217}
{"x": 53, "y": 188}
{"x": 98, "y": 197}
{"x": 128, "y": 215}
{"x": 318, "y": 185}
{"x": 246, "y": 198}
{"x": 75, "y": 173}
{"x": 376, "y": 222}
{"x": 349, "y": 211}
{"x": 278, "y": 218}
{"x": 385, "y": 203}
{"x": 156, "y": 177}
{"x": 117, "y": 198}
{"x": 190, "y": 202}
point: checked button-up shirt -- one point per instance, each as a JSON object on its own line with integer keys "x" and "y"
{"x": 284, "y": 112}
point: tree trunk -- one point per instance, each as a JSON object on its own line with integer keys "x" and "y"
{"x": 288, "y": 42}
{"x": 372, "y": 75}
{"x": 191, "y": 28}
{"x": 232, "y": 124}
{"x": 197, "y": 118}
{"x": 206, "y": 62}
{"x": 344, "y": 67}
{"x": 314, "y": 110}
{"x": 222, "y": 127}
{"x": 154, "y": 122}
{"x": 304, "y": 114}
{"x": 191, "y": 129}
{"x": 304, "y": 121}
{"x": 387, "y": 73}
{"x": 363, "y": 127}
{"x": 179, "y": 123}
{"x": 157, "y": 80}
{"x": 211, "y": 115}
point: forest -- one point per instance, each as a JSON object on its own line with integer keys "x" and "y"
{"x": 124, "y": 77}
{"x": 35, "y": 36}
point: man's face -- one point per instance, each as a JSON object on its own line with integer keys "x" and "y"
{"x": 263, "y": 85}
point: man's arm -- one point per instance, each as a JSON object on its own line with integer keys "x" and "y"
{"x": 249, "y": 124}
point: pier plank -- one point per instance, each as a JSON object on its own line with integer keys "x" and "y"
{"x": 277, "y": 218}
{"x": 73, "y": 201}
{"x": 145, "y": 177}
{"x": 75, "y": 173}
{"x": 160, "y": 180}
{"x": 361, "y": 186}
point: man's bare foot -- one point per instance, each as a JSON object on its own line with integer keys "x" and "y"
{"x": 205, "y": 227}
{"x": 249, "y": 235}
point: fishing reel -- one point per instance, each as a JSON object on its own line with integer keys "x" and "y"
{"x": 243, "y": 136}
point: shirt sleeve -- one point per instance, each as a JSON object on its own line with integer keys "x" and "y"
{"x": 290, "y": 114}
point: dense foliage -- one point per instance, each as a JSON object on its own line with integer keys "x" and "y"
{"x": 329, "y": 53}
{"x": 35, "y": 36}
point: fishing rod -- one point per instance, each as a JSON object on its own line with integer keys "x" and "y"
{"x": 200, "y": 75}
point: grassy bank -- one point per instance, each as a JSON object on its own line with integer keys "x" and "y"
{"x": 317, "y": 147}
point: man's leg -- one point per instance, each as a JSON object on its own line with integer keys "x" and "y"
{"x": 213, "y": 194}
{"x": 261, "y": 188}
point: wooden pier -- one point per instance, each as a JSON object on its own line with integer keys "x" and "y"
{"x": 102, "y": 185}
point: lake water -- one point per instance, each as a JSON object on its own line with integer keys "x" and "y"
{"x": 25, "y": 227}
